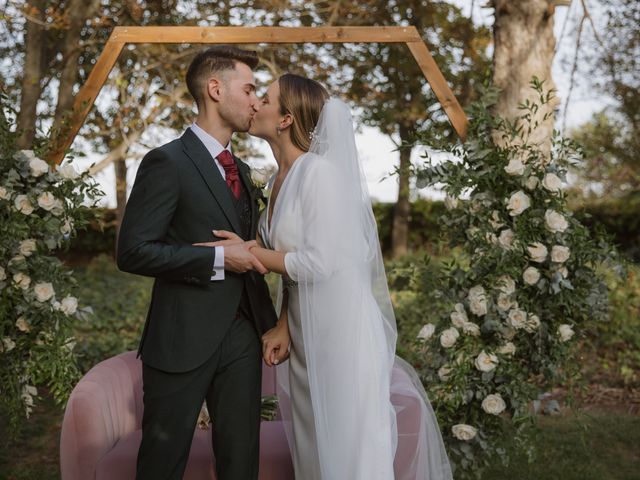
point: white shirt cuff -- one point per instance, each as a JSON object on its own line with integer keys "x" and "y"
{"x": 218, "y": 265}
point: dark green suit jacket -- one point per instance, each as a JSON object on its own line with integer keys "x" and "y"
{"x": 178, "y": 197}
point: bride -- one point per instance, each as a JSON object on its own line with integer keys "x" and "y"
{"x": 318, "y": 231}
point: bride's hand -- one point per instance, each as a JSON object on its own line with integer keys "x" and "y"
{"x": 275, "y": 344}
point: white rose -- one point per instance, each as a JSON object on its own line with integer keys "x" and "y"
{"x": 507, "y": 349}
{"x": 16, "y": 259}
{"x": 4, "y": 194}
{"x": 3, "y": 274}
{"x": 38, "y": 167}
{"x": 552, "y": 182}
{"x": 531, "y": 276}
{"x": 485, "y": 362}
{"x": 44, "y": 291}
{"x": 67, "y": 171}
{"x": 537, "y": 252}
{"x": 515, "y": 167}
{"x": 443, "y": 373}
{"x": 508, "y": 333}
{"x": 8, "y": 344}
{"x": 459, "y": 316}
{"x": 506, "y": 284}
{"x": 533, "y": 322}
{"x": 518, "y": 203}
{"x": 448, "y": 337}
{"x": 58, "y": 207}
{"x": 494, "y": 404}
{"x": 495, "y": 220}
{"x": 555, "y": 222}
{"x": 506, "y": 238}
{"x": 27, "y": 247}
{"x": 471, "y": 328}
{"x": 477, "y": 300}
{"x": 66, "y": 227}
{"x": 426, "y": 332}
{"x": 464, "y": 432}
{"x": 517, "y": 318}
{"x": 69, "y": 305}
{"x": 532, "y": 183}
{"x": 504, "y": 302}
{"x": 559, "y": 253}
{"x": 47, "y": 201}
{"x": 478, "y": 306}
{"x": 24, "y": 155}
{"x": 22, "y": 324}
{"x": 22, "y": 280}
{"x": 491, "y": 238}
{"x": 565, "y": 332}
{"x": 477, "y": 291}
{"x": 23, "y": 205}
{"x": 450, "y": 202}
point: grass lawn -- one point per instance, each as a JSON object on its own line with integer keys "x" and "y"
{"x": 579, "y": 447}
{"x": 570, "y": 447}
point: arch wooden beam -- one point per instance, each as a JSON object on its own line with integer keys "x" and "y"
{"x": 251, "y": 35}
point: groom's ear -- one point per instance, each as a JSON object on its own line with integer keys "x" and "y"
{"x": 213, "y": 87}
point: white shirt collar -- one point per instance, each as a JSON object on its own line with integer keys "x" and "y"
{"x": 213, "y": 146}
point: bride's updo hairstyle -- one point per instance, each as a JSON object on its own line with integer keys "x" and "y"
{"x": 303, "y": 99}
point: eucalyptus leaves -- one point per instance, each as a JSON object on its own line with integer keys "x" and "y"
{"x": 526, "y": 283}
{"x": 40, "y": 209}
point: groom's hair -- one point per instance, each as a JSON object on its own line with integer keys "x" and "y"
{"x": 214, "y": 60}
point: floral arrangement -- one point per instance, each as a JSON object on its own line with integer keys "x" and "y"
{"x": 519, "y": 295}
{"x": 41, "y": 207}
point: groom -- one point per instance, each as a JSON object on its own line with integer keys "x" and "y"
{"x": 209, "y": 305}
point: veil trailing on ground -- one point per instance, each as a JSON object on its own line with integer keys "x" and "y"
{"x": 348, "y": 323}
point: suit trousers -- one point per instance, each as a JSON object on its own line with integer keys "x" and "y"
{"x": 230, "y": 381}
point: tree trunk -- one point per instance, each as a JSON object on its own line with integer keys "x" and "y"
{"x": 121, "y": 191}
{"x": 400, "y": 230}
{"x": 524, "y": 47}
{"x": 35, "y": 45}
{"x": 77, "y": 12}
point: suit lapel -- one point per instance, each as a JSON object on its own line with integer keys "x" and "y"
{"x": 201, "y": 157}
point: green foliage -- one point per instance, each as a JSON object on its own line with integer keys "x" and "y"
{"x": 615, "y": 343}
{"x": 119, "y": 304}
{"x": 525, "y": 281}
{"x": 619, "y": 217}
{"x": 424, "y": 230}
{"x": 40, "y": 209}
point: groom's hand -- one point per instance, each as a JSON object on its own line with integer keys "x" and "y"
{"x": 238, "y": 258}
{"x": 275, "y": 346}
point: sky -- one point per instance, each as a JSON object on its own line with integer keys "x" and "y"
{"x": 376, "y": 150}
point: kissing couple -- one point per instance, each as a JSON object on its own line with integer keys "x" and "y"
{"x": 193, "y": 223}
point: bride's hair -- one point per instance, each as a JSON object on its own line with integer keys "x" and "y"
{"x": 303, "y": 99}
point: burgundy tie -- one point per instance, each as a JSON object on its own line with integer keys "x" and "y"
{"x": 231, "y": 172}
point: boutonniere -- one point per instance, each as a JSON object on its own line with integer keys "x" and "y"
{"x": 260, "y": 178}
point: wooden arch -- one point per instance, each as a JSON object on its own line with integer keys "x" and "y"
{"x": 250, "y": 35}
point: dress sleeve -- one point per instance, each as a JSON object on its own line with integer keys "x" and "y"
{"x": 324, "y": 219}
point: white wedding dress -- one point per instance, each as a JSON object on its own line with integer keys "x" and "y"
{"x": 335, "y": 391}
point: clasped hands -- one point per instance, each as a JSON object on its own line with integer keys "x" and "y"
{"x": 238, "y": 258}
{"x": 237, "y": 253}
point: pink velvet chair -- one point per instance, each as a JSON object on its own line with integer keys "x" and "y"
{"x": 101, "y": 428}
